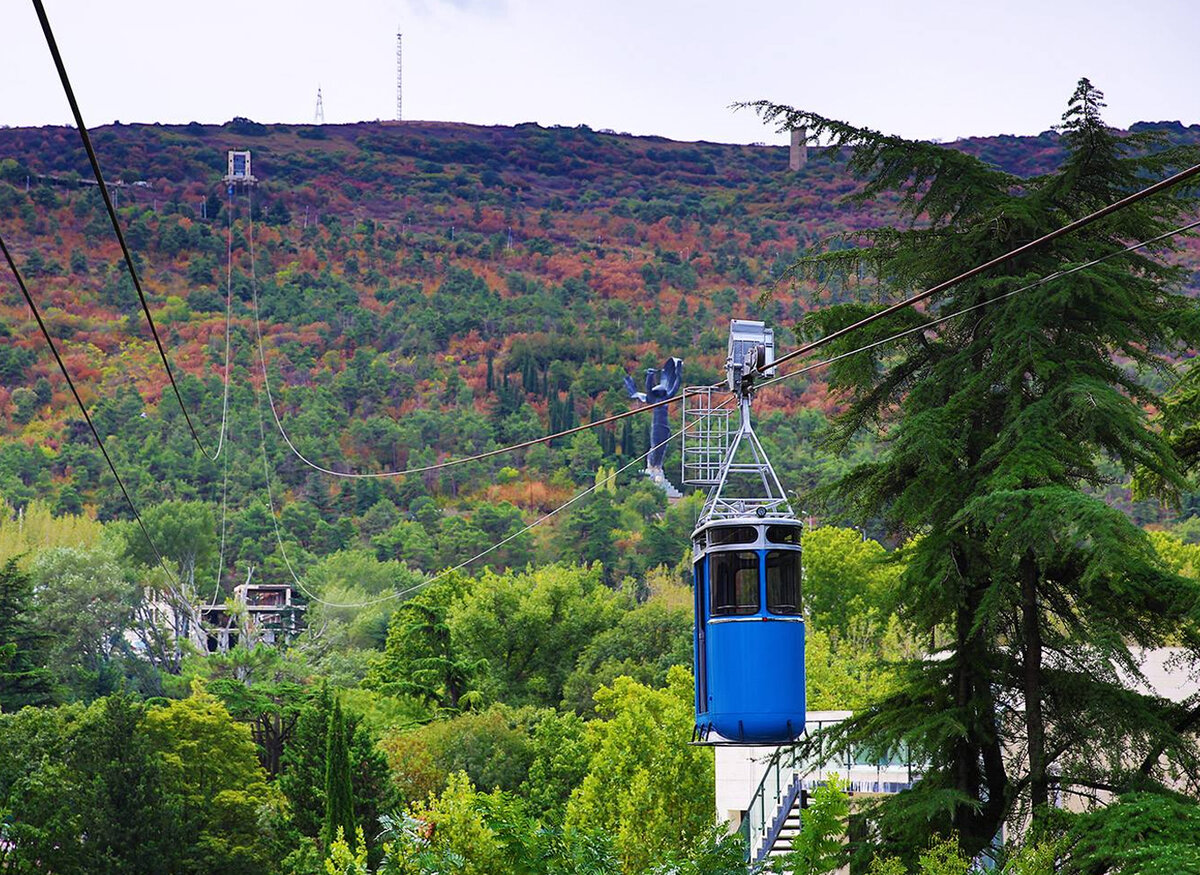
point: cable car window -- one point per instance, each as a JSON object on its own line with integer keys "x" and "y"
{"x": 783, "y": 581}
{"x": 783, "y": 534}
{"x": 734, "y": 583}
{"x": 733, "y": 535}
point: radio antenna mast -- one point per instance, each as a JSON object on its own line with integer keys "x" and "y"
{"x": 399, "y": 78}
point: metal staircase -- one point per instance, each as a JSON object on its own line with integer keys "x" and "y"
{"x": 772, "y": 820}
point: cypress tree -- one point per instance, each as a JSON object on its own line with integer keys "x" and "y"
{"x": 1000, "y": 429}
{"x": 627, "y": 437}
{"x": 339, "y": 796}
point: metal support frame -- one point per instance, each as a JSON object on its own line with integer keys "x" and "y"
{"x": 713, "y": 450}
{"x": 770, "y": 502}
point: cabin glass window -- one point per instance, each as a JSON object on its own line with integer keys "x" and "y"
{"x": 734, "y": 583}
{"x": 783, "y": 582}
{"x": 732, "y": 535}
{"x": 783, "y": 534}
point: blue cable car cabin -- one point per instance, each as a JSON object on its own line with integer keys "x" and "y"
{"x": 749, "y": 633}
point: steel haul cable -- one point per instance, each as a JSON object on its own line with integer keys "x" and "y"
{"x": 112, "y": 214}
{"x": 939, "y": 319}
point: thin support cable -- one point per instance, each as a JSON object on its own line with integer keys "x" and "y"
{"x": 437, "y": 466}
{"x": 224, "y": 505}
{"x": 401, "y": 593}
{"x": 228, "y": 324}
{"x": 225, "y": 401}
{"x": 112, "y": 215}
{"x": 86, "y": 416}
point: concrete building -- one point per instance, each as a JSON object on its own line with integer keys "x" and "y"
{"x": 259, "y": 613}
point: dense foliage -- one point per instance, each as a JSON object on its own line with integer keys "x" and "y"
{"x": 474, "y": 693}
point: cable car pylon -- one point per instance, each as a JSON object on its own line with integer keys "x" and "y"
{"x": 748, "y": 641}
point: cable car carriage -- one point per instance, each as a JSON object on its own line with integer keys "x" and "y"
{"x": 749, "y": 632}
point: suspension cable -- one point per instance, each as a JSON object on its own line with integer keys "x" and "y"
{"x": 112, "y": 215}
{"x": 437, "y": 466}
{"x": 811, "y": 367}
{"x": 83, "y": 410}
{"x": 401, "y": 593}
{"x": 1161, "y": 185}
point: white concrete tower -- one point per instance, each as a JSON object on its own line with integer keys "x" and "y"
{"x": 798, "y": 156}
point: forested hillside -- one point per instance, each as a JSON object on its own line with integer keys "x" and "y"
{"x": 426, "y": 290}
{"x": 419, "y": 292}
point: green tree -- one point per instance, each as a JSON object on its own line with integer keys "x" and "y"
{"x": 1142, "y": 832}
{"x": 460, "y": 830}
{"x": 24, "y": 646}
{"x": 92, "y": 799}
{"x": 715, "y": 852}
{"x": 525, "y": 631}
{"x": 587, "y": 535}
{"x": 183, "y": 533}
{"x": 339, "y": 795}
{"x": 420, "y": 658}
{"x": 213, "y": 786}
{"x": 643, "y": 786}
{"x": 407, "y": 542}
{"x": 85, "y": 601}
{"x": 821, "y": 848}
{"x": 643, "y": 645}
{"x": 848, "y": 582}
{"x": 560, "y": 751}
{"x": 259, "y": 687}
{"x": 997, "y": 423}
{"x": 349, "y": 577}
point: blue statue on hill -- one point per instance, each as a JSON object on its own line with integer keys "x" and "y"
{"x": 661, "y": 384}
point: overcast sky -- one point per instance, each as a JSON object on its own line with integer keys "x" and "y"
{"x": 935, "y": 69}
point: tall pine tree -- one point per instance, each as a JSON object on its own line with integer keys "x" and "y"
{"x": 998, "y": 430}
{"x": 24, "y": 676}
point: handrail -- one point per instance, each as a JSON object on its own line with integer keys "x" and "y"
{"x": 763, "y": 816}
{"x": 757, "y": 823}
